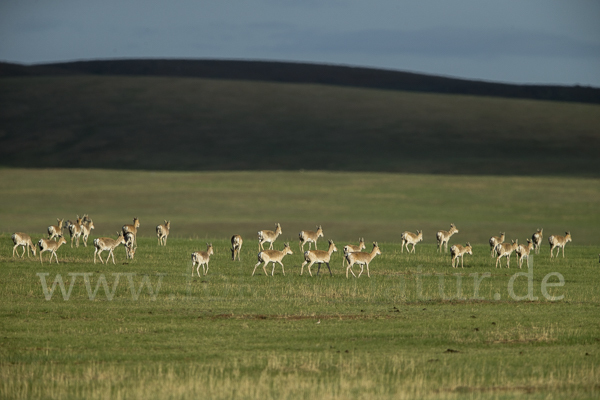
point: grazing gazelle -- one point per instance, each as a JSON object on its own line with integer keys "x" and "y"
{"x": 459, "y": 251}
{"x": 411, "y": 238}
{"x": 352, "y": 248}
{"x": 86, "y": 229}
{"x": 54, "y": 231}
{"x": 362, "y": 259}
{"x": 22, "y": 239}
{"x": 51, "y": 246}
{"x": 202, "y": 258}
{"x": 495, "y": 240}
{"x": 103, "y": 243}
{"x": 523, "y": 252}
{"x": 505, "y": 250}
{"x": 236, "y": 247}
{"x": 75, "y": 230}
{"x": 273, "y": 256}
{"x": 536, "y": 238}
{"x": 443, "y": 237}
{"x": 310, "y": 237}
{"x": 162, "y": 232}
{"x": 557, "y": 241}
{"x": 132, "y": 228}
{"x": 268, "y": 236}
{"x": 319, "y": 257}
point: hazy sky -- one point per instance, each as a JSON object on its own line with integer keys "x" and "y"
{"x": 520, "y": 41}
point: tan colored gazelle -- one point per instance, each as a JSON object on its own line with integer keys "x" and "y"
{"x": 523, "y": 252}
{"x": 130, "y": 248}
{"x": 75, "y": 230}
{"x": 362, "y": 259}
{"x": 273, "y": 256}
{"x": 51, "y": 246}
{"x": 319, "y": 257}
{"x": 54, "y": 231}
{"x": 162, "y": 232}
{"x": 132, "y": 228}
{"x": 352, "y": 248}
{"x": 557, "y": 241}
{"x": 458, "y": 251}
{"x": 411, "y": 238}
{"x": 310, "y": 237}
{"x": 495, "y": 240}
{"x": 536, "y": 239}
{"x": 236, "y": 247}
{"x": 505, "y": 250}
{"x": 107, "y": 244}
{"x": 202, "y": 258}
{"x": 22, "y": 239}
{"x": 86, "y": 229}
{"x": 443, "y": 237}
{"x": 268, "y": 236}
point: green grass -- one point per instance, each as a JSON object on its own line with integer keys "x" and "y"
{"x": 233, "y": 335}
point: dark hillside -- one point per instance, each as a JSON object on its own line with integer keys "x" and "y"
{"x": 308, "y": 73}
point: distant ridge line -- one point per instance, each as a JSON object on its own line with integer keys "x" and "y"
{"x": 306, "y": 73}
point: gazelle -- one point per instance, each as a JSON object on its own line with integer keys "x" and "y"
{"x": 310, "y": 237}
{"x": 351, "y": 248}
{"x": 86, "y": 229}
{"x": 103, "y": 243}
{"x": 132, "y": 228}
{"x": 129, "y": 245}
{"x": 443, "y": 237}
{"x": 54, "y": 231}
{"x": 202, "y": 258}
{"x": 51, "y": 246}
{"x": 523, "y": 252}
{"x": 459, "y": 251}
{"x": 236, "y": 247}
{"x": 75, "y": 230}
{"x": 268, "y": 236}
{"x": 162, "y": 232}
{"x": 362, "y": 259}
{"x": 495, "y": 240}
{"x": 411, "y": 238}
{"x": 22, "y": 239}
{"x": 319, "y": 257}
{"x": 557, "y": 241}
{"x": 505, "y": 250}
{"x": 536, "y": 238}
{"x": 274, "y": 256}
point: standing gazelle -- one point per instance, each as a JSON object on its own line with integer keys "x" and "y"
{"x": 319, "y": 257}
{"x": 132, "y": 228}
{"x": 443, "y": 237}
{"x": 310, "y": 237}
{"x": 523, "y": 252}
{"x": 268, "y": 236}
{"x": 236, "y": 247}
{"x": 54, "y": 231}
{"x": 411, "y": 238}
{"x": 352, "y": 248}
{"x": 495, "y": 240}
{"x": 274, "y": 256}
{"x": 22, "y": 239}
{"x": 362, "y": 259}
{"x": 557, "y": 241}
{"x": 103, "y": 243}
{"x": 202, "y": 258}
{"x": 86, "y": 229}
{"x": 75, "y": 230}
{"x": 536, "y": 238}
{"x": 51, "y": 246}
{"x": 162, "y": 232}
{"x": 459, "y": 251}
{"x": 505, "y": 250}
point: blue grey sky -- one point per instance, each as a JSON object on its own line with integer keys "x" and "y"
{"x": 516, "y": 41}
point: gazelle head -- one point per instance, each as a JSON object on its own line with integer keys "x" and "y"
{"x": 286, "y": 248}
{"x": 168, "y": 224}
{"x": 567, "y": 237}
{"x": 453, "y": 229}
{"x": 469, "y": 249}
{"x": 419, "y": 235}
{"x": 61, "y": 240}
{"x": 331, "y": 244}
{"x": 376, "y": 248}
{"x": 136, "y": 222}
{"x": 361, "y": 243}
{"x": 319, "y": 231}
{"x": 209, "y": 249}
{"x": 278, "y": 228}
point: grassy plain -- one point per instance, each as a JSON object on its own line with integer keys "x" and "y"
{"x": 415, "y": 329}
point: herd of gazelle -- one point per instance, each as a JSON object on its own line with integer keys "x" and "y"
{"x": 82, "y": 227}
